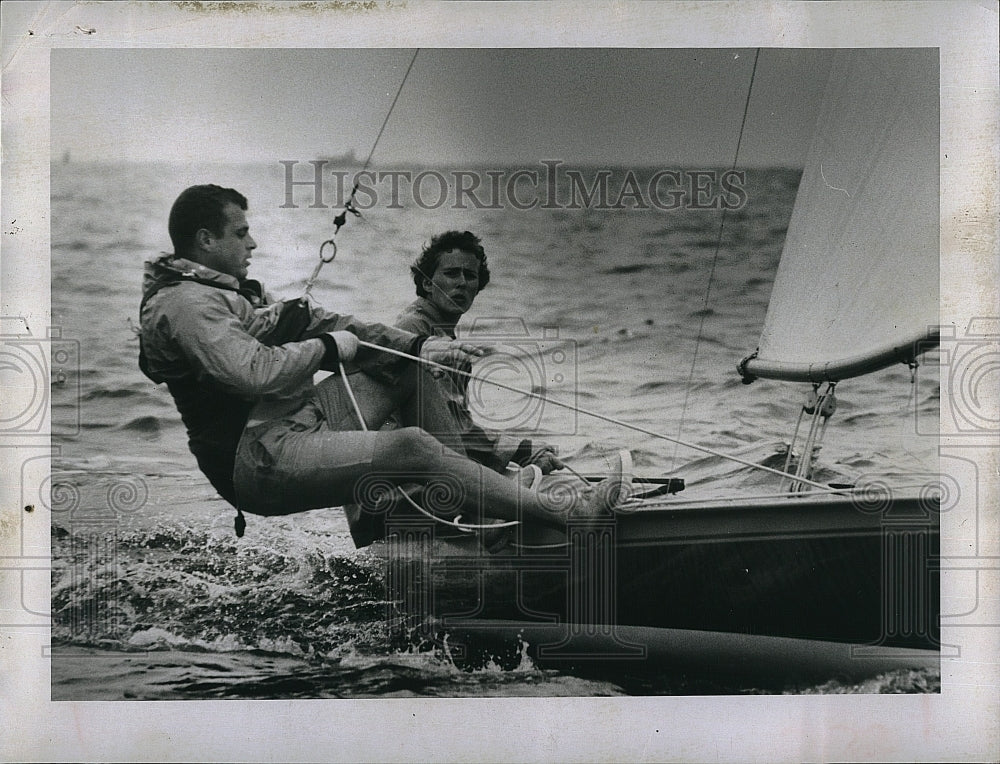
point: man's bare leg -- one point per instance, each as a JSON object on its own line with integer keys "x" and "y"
{"x": 411, "y": 455}
{"x": 431, "y": 448}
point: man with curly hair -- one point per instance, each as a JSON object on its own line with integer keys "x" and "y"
{"x": 451, "y": 270}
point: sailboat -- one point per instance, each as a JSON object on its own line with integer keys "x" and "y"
{"x": 827, "y": 579}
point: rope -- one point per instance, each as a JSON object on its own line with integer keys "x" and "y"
{"x": 817, "y": 430}
{"x": 711, "y": 272}
{"x": 575, "y": 473}
{"x": 594, "y": 414}
{"x": 791, "y": 445}
{"x": 463, "y": 527}
{"x": 805, "y": 461}
{"x": 350, "y": 394}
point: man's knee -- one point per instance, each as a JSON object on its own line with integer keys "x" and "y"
{"x": 408, "y": 449}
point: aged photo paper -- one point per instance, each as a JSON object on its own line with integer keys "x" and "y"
{"x": 282, "y": 110}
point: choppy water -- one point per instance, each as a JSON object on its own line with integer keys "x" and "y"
{"x": 152, "y": 594}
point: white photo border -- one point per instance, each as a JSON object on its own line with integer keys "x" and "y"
{"x": 958, "y": 724}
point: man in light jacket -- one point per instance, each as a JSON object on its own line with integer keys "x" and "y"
{"x": 450, "y": 272}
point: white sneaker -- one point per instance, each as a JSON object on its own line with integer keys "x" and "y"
{"x": 610, "y": 492}
{"x": 527, "y": 477}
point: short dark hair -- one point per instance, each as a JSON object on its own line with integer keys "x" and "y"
{"x": 427, "y": 263}
{"x": 200, "y": 207}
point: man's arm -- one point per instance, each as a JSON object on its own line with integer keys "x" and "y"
{"x": 380, "y": 365}
{"x": 212, "y": 336}
{"x": 487, "y": 446}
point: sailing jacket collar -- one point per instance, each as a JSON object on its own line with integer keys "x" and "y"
{"x": 169, "y": 269}
{"x": 438, "y": 319}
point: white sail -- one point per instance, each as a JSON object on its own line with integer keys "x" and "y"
{"x": 858, "y": 281}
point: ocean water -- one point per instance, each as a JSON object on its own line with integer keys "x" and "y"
{"x": 153, "y": 596}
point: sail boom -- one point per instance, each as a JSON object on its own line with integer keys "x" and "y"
{"x": 833, "y": 371}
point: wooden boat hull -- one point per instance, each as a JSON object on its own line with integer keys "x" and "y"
{"x": 859, "y": 584}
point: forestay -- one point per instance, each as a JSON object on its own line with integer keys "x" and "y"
{"x": 857, "y": 287}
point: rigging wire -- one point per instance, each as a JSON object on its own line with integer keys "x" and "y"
{"x": 804, "y": 466}
{"x": 349, "y": 204}
{"x": 791, "y": 445}
{"x": 821, "y": 407}
{"x": 388, "y": 114}
{"x": 594, "y": 414}
{"x": 711, "y": 273}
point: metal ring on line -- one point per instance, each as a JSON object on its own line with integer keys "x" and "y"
{"x": 333, "y": 244}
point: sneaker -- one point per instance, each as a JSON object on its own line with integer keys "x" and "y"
{"x": 527, "y": 477}
{"x": 610, "y": 492}
{"x": 495, "y": 540}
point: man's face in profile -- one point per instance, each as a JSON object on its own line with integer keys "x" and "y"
{"x": 231, "y": 252}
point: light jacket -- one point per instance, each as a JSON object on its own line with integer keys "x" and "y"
{"x": 493, "y": 449}
{"x": 226, "y": 354}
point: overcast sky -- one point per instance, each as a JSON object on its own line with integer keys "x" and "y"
{"x": 650, "y": 106}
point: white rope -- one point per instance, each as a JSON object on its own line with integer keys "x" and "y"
{"x": 350, "y": 394}
{"x": 463, "y": 527}
{"x": 594, "y": 414}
